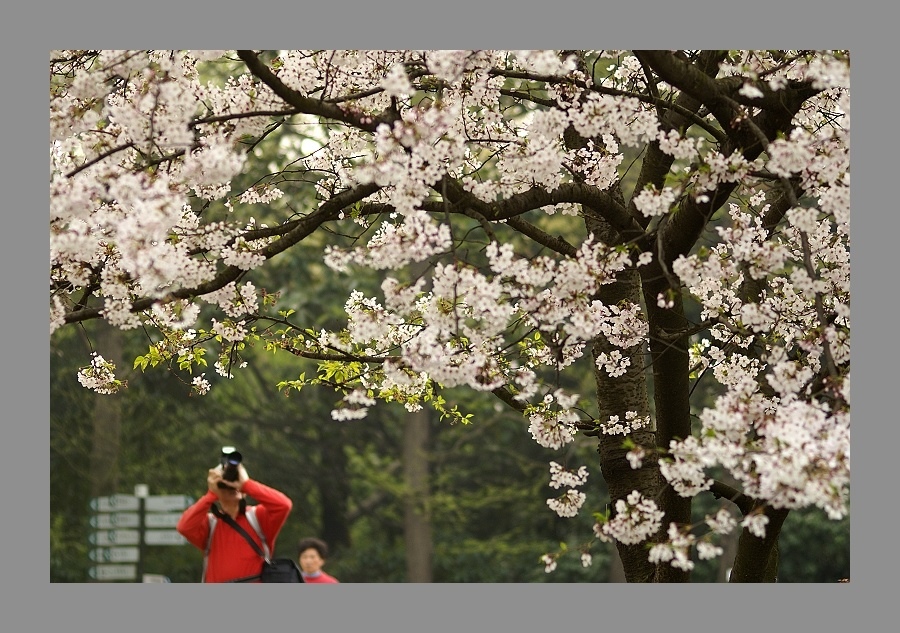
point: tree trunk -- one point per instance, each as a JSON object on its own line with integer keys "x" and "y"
{"x": 671, "y": 392}
{"x": 107, "y": 419}
{"x": 615, "y": 396}
{"x": 757, "y": 558}
{"x": 728, "y": 542}
{"x": 616, "y": 571}
{"x": 334, "y": 488}
{"x": 416, "y": 514}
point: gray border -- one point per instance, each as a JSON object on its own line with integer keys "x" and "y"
{"x": 420, "y": 607}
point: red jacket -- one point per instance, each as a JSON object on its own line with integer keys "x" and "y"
{"x": 230, "y": 555}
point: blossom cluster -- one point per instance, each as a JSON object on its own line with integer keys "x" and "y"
{"x": 355, "y": 407}
{"x": 676, "y": 551}
{"x": 100, "y": 375}
{"x": 569, "y": 503}
{"x": 791, "y": 447}
{"x": 616, "y": 426}
{"x": 636, "y": 518}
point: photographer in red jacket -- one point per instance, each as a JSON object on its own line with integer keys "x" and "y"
{"x": 230, "y": 555}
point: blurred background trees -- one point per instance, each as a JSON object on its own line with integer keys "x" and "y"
{"x": 480, "y": 490}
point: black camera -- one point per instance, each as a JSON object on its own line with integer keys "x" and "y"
{"x": 230, "y": 459}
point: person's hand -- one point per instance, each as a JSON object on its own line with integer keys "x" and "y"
{"x": 242, "y": 476}
{"x": 213, "y": 479}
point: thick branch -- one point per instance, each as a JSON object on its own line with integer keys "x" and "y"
{"x": 509, "y": 210}
{"x": 684, "y": 76}
{"x": 506, "y": 396}
{"x": 330, "y": 210}
{"x": 724, "y": 491}
{"x": 306, "y": 104}
{"x": 528, "y": 229}
{"x": 607, "y": 206}
{"x": 659, "y": 102}
{"x": 748, "y": 135}
{"x": 656, "y": 164}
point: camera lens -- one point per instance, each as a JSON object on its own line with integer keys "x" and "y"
{"x": 230, "y": 459}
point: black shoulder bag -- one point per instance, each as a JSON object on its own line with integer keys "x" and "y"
{"x": 273, "y": 570}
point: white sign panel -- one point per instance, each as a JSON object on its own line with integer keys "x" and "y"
{"x": 115, "y": 537}
{"x": 114, "y": 554}
{"x": 156, "y": 578}
{"x": 113, "y": 572}
{"x": 164, "y": 537}
{"x": 116, "y": 519}
{"x": 115, "y": 503}
{"x": 165, "y": 503}
{"x": 161, "y": 520}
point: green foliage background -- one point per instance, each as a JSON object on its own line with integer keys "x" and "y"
{"x": 488, "y": 480}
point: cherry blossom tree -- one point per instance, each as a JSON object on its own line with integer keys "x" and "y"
{"x": 668, "y": 219}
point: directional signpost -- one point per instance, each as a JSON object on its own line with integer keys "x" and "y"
{"x": 135, "y": 520}
{"x": 161, "y": 520}
{"x": 114, "y": 554}
{"x": 156, "y": 578}
{"x": 113, "y": 572}
{"x": 167, "y": 503}
{"x": 115, "y": 503}
{"x": 115, "y": 537}
{"x": 116, "y": 520}
{"x": 163, "y": 537}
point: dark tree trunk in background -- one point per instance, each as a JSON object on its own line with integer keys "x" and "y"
{"x": 107, "y": 418}
{"x": 334, "y": 488}
{"x": 416, "y": 512}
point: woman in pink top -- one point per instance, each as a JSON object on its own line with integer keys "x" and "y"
{"x": 311, "y": 554}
